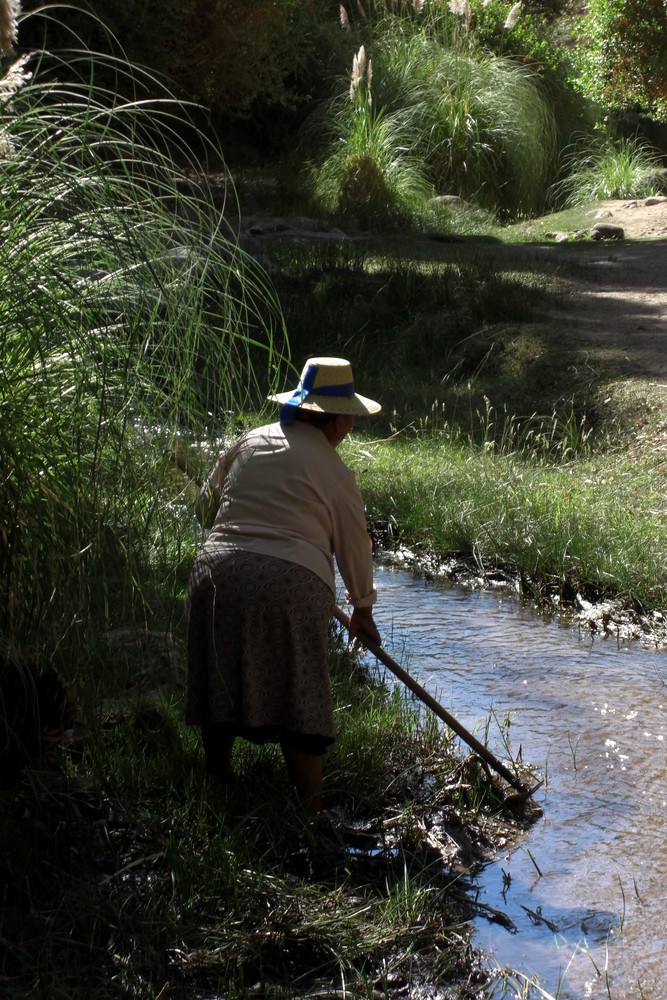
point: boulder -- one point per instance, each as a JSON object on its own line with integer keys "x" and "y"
{"x": 607, "y": 231}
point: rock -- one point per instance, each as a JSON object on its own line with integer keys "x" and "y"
{"x": 654, "y": 200}
{"x": 450, "y": 199}
{"x": 659, "y": 180}
{"x": 604, "y": 213}
{"x": 607, "y": 231}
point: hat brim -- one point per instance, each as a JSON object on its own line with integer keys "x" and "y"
{"x": 357, "y": 406}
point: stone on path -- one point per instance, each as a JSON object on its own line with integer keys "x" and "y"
{"x": 607, "y": 231}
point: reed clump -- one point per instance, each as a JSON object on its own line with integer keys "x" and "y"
{"x": 128, "y": 314}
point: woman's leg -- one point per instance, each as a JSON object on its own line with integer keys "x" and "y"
{"x": 305, "y": 771}
{"x": 218, "y": 745}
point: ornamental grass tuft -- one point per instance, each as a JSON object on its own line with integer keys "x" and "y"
{"x": 128, "y": 314}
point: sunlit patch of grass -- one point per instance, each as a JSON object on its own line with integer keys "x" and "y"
{"x": 597, "y": 168}
{"x": 537, "y": 499}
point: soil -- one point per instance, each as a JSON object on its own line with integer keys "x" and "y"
{"x": 623, "y": 283}
{"x": 619, "y": 285}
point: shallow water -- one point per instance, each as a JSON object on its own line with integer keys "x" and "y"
{"x": 590, "y": 713}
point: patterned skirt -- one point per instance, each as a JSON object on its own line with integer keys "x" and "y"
{"x": 257, "y": 649}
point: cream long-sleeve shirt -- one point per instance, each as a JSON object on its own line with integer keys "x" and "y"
{"x": 285, "y": 492}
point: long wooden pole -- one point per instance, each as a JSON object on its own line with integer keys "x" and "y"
{"x": 437, "y": 708}
{"x": 416, "y": 688}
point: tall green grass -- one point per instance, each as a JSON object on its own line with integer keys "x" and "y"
{"x": 128, "y": 314}
{"x": 600, "y": 167}
{"x": 370, "y": 175}
{"x": 544, "y": 505}
{"x": 480, "y": 124}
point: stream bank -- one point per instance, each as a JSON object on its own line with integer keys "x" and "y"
{"x": 582, "y": 889}
{"x": 605, "y": 617}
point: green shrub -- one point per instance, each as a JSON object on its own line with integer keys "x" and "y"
{"x": 622, "y": 55}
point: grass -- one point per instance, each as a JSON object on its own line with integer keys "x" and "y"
{"x": 371, "y": 178}
{"x": 478, "y": 125}
{"x": 591, "y": 525}
{"x": 131, "y": 322}
{"x": 134, "y": 873}
{"x": 597, "y": 168}
{"x": 503, "y": 441}
{"x": 128, "y": 313}
{"x": 443, "y": 322}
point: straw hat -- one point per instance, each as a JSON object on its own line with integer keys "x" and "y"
{"x": 326, "y": 386}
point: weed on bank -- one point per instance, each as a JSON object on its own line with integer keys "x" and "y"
{"x": 128, "y": 873}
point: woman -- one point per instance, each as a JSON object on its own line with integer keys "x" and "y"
{"x": 281, "y": 503}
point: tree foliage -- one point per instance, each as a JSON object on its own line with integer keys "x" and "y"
{"x": 623, "y": 55}
{"x": 239, "y": 57}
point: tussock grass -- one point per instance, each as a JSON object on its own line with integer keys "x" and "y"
{"x": 127, "y": 314}
{"x": 480, "y": 124}
{"x": 597, "y": 168}
{"x": 370, "y": 178}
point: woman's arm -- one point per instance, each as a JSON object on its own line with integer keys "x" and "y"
{"x": 362, "y": 624}
{"x": 208, "y": 501}
{"x": 354, "y": 554}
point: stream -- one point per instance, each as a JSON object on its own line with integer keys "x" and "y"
{"x": 586, "y": 887}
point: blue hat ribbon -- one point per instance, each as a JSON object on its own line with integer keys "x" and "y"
{"x": 303, "y": 390}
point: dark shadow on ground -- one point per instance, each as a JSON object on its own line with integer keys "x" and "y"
{"x": 458, "y": 326}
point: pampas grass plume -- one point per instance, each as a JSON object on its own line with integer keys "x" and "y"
{"x": 361, "y": 73}
{"x": 358, "y": 70}
{"x": 9, "y": 12}
{"x": 15, "y": 77}
{"x": 512, "y": 16}
{"x": 344, "y": 18}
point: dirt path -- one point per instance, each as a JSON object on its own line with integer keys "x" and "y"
{"x": 622, "y": 284}
{"x": 619, "y": 286}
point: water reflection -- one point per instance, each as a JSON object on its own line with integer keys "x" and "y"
{"x": 586, "y": 887}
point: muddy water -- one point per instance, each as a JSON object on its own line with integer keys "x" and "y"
{"x": 590, "y": 713}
